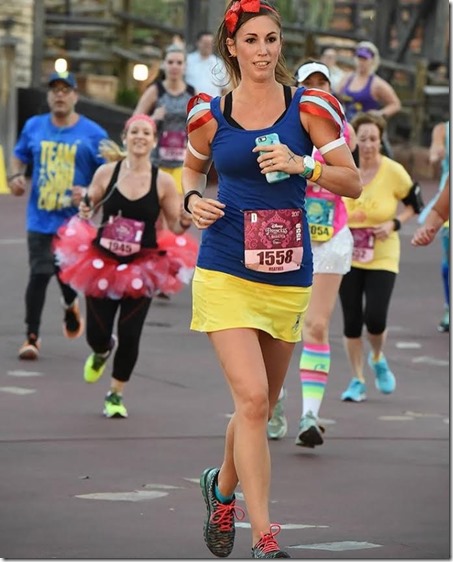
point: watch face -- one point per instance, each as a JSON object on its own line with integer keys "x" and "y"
{"x": 309, "y": 162}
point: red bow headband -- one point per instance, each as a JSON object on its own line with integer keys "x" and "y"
{"x": 246, "y": 6}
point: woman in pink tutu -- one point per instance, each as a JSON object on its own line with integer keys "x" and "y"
{"x": 121, "y": 264}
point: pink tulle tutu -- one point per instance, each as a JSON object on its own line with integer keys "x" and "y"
{"x": 89, "y": 270}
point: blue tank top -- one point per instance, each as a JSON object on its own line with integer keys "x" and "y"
{"x": 357, "y": 101}
{"x": 242, "y": 187}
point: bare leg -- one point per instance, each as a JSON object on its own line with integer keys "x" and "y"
{"x": 354, "y": 351}
{"x": 377, "y": 343}
{"x": 255, "y": 365}
{"x": 322, "y": 302}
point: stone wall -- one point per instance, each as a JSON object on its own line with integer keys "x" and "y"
{"x": 21, "y": 11}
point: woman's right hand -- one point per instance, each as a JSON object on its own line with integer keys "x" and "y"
{"x": 206, "y": 212}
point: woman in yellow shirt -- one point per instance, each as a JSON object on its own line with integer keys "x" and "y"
{"x": 365, "y": 291}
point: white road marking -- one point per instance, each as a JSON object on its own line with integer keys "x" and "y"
{"x": 407, "y": 345}
{"x": 24, "y": 374}
{"x": 430, "y": 361}
{"x": 422, "y": 415}
{"x": 5, "y": 241}
{"x": 338, "y": 546}
{"x": 287, "y": 526}
{"x": 17, "y": 390}
{"x": 326, "y": 421}
{"x": 135, "y": 496}
{"x": 395, "y": 418}
{"x": 162, "y": 487}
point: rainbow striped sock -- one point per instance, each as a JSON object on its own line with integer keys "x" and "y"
{"x": 314, "y": 369}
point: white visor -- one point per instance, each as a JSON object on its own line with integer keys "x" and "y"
{"x": 310, "y": 68}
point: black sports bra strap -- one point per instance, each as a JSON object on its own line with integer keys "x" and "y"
{"x": 288, "y": 95}
{"x": 228, "y": 105}
{"x": 115, "y": 175}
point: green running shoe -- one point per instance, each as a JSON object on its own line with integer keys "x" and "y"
{"x": 95, "y": 364}
{"x": 114, "y": 407}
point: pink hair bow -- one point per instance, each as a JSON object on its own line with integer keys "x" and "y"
{"x": 234, "y": 13}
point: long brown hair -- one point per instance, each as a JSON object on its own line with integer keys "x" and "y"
{"x": 282, "y": 74}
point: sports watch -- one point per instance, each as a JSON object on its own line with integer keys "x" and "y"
{"x": 309, "y": 167}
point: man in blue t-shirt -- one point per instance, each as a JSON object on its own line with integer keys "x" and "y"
{"x": 62, "y": 148}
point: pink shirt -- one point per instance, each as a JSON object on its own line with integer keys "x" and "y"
{"x": 340, "y": 214}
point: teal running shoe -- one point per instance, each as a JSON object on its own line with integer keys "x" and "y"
{"x": 277, "y": 426}
{"x": 384, "y": 378}
{"x": 356, "y": 391}
{"x": 310, "y": 433}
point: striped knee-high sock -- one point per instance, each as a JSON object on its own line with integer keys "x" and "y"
{"x": 314, "y": 369}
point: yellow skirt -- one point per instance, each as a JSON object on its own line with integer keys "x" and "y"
{"x": 221, "y": 301}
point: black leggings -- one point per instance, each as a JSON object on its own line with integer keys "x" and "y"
{"x": 100, "y": 319}
{"x": 373, "y": 286}
{"x": 35, "y": 297}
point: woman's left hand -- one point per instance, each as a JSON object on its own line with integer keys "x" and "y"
{"x": 278, "y": 158}
{"x": 383, "y": 231}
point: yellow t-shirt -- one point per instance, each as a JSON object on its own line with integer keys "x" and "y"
{"x": 377, "y": 204}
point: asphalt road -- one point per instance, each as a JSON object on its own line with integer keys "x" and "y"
{"x": 75, "y": 485}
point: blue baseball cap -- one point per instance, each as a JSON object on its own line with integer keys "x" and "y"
{"x": 66, "y": 77}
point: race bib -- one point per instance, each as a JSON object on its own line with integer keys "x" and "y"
{"x": 320, "y": 215}
{"x": 172, "y": 145}
{"x": 363, "y": 250}
{"x": 122, "y": 236}
{"x": 273, "y": 240}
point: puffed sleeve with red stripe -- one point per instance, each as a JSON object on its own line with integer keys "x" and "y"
{"x": 200, "y": 102}
{"x": 320, "y": 103}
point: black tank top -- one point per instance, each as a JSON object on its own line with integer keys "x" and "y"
{"x": 145, "y": 209}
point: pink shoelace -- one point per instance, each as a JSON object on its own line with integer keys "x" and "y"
{"x": 224, "y": 513}
{"x": 267, "y": 543}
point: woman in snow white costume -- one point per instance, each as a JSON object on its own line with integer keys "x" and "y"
{"x": 121, "y": 264}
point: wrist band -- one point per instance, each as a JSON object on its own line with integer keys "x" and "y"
{"x": 186, "y": 199}
{"x": 316, "y": 172}
{"x": 396, "y": 225}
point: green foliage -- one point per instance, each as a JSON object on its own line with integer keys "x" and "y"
{"x": 127, "y": 97}
{"x": 158, "y": 10}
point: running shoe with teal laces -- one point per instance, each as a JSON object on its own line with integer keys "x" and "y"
{"x": 114, "y": 407}
{"x": 277, "y": 426}
{"x": 384, "y": 378}
{"x": 356, "y": 391}
{"x": 95, "y": 363}
{"x": 267, "y": 546}
{"x": 218, "y": 528}
{"x": 310, "y": 433}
